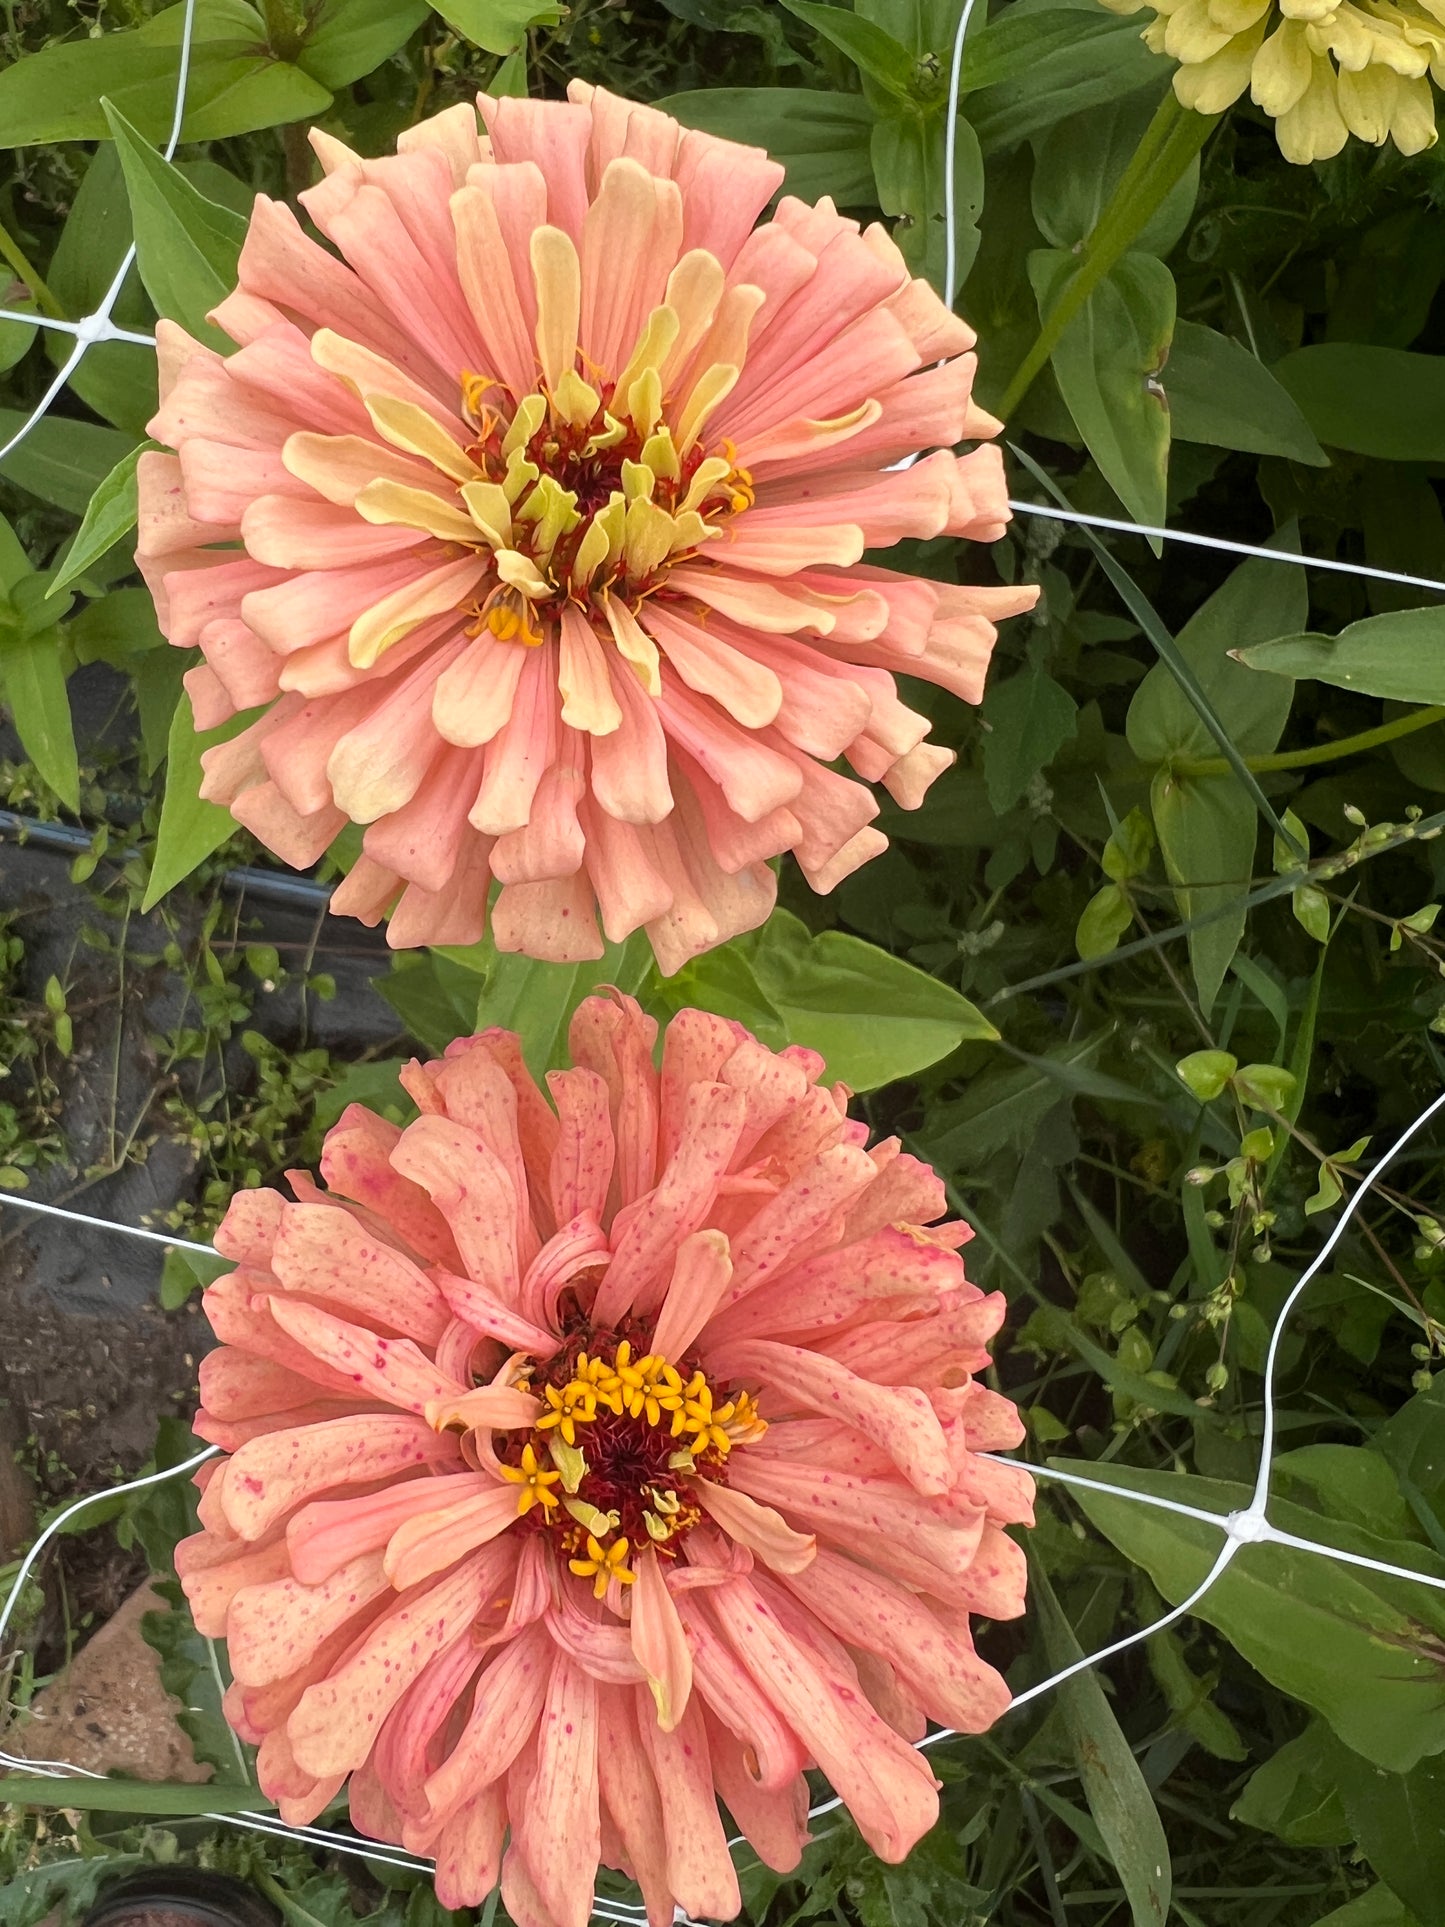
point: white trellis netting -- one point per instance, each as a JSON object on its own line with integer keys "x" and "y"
{"x": 1249, "y": 1526}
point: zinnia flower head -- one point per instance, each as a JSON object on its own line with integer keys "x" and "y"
{"x": 594, "y": 1460}
{"x": 1321, "y": 69}
{"x": 532, "y": 524}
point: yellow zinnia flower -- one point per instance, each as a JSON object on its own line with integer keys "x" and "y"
{"x": 1321, "y": 69}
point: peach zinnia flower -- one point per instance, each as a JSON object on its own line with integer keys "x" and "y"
{"x": 550, "y": 497}
{"x": 589, "y": 1465}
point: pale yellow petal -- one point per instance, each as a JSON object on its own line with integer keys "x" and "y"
{"x": 582, "y": 680}
{"x": 339, "y": 467}
{"x": 633, "y": 643}
{"x": 384, "y": 502}
{"x": 412, "y": 429}
{"x": 490, "y": 510}
{"x": 397, "y": 614}
{"x": 558, "y": 275}
{"x": 694, "y": 289}
{"x": 711, "y": 388}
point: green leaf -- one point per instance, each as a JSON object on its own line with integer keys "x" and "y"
{"x": 1030, "y": 718}
{"x": 537, "y": 1000}
{"x": 62, "y": 461}
{"x": 348, "y": 39}
{"x": 1259, "y": 599}
{"x": 116, "y": 628}
{"x": 908, "y": 156}
{"x": 1266, "y": 1087}
{"x": 1206, "y": 824}
{"x": 1207, "y": 832}
{"x": 1105, "y": 918}
{"x": 1107, "y": 365}
{"x": 822, "y": 139}
{"x": 236, "y": 85}
{"x": 157, "y": 676}
{"x": 194, "y": 1669}
{"x": 1131, "y": 844}
{"x": 1395, "y": 1819}
{"x": 32, "y": 677}
{"x": 1294, "y": 1796}
{"x": 1170, "y": 654}
{"x": 109, "y": 514}
{"x": 1377, "y": 1907}
{"x": 497, "y": 26}
{"x": 184, "y": 1273}
{"x": 1221, "y": 394}
{"x": 16, "y": 337}
{"x": 1036, "y": 64}
{"x": 186, "y": 246}
{"x": 1113, "y": 1783}
{"x": 1357, "y": 1647}
{"x": 872, "y": 1017}
{"x": 1400, "y": 656}
{"x": 1384, "y": 402}
{"x": 871, "y": 50}
{"x": 435, "y": 996}
{"x": 374, "y": 1084}
{"x": 190, "y": 829}
{"x": 1006, "y": 1105}
{"x": 1081, "y": 162}
{"x": 1189, "y": 1700}
{"x": 115, "y": 378}
{"x": 1411, "y": 1442}
{"x": 152, "y": 1797}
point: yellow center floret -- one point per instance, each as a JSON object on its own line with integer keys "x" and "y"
{"x": 572, "y": 496}
{"x": 612, "y": 1460}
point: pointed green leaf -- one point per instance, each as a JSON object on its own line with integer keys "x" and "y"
{"x": 186, "y": 246}
{"x": 109, "y": 514}
{"x": 1221, "y": 394}
{"x": 1400, "y": 656}
{"x": 872, "y": 50}
{"x": 190, "y": 829}
{"x": 872, "y": 1017}
{"x": 61, "y": 460}
{"x": 32, "y": 678}
{"x": 235, "y": 84}
{"x": 821, "y": 138}
{"x": 1359, "y": 1647}
{"x": 1115, "y": 1787}
{"x": 497, "y": 26}
{"x": 1030, "y": 718}
{"x": 1107, "y": 366}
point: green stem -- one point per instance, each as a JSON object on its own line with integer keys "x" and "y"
{"x": 11, "y": 250}
{"x": 1169, "y": 143}
{"x": 1322, "y": 753}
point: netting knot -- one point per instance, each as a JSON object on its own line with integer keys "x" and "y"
{"x": 1248, "y": 1527}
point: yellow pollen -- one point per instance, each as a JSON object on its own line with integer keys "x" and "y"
{"x": 534, "y": 1482}
{"x": 574, "y": 490}
{"x": 569, "y": 1404}
{"x": 603, "y": 1563}
{"x": 510, "y": 617}
{"x": 677, "y": 1409}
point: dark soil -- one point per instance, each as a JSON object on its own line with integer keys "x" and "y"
{"x": 90, "y": 1360}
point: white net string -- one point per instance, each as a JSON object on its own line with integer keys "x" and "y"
{"x": 1249, "y": 1526}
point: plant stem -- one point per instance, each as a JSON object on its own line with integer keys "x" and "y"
{"x": 1169, "y": 143}
{"x": 1322, "y": 752}
{"x": 11, "y": 250}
